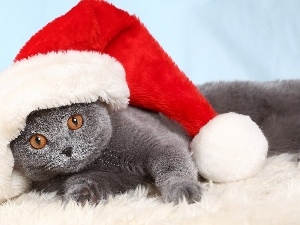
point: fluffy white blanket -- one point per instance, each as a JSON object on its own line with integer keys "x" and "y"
{"x": 272, "y": 197}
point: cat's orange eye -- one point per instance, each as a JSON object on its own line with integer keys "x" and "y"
{"x": 38, "y": 141}
{"x": 75, "y": 122}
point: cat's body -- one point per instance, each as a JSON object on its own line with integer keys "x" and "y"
{"x": 114, "y": 153}
{"x": 273, "y": 105}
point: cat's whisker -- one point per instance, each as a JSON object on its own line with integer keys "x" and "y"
{"x": 50, "y": 166}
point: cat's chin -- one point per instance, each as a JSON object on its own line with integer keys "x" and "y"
{"x": 42, "y": 176}
{"x": 73, "y": 166}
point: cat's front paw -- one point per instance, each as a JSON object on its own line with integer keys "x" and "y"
{"x": 83, "y": 190}
{"x": 175, "y": 189}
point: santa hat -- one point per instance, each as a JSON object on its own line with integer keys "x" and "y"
{"x": 99, "y": 52}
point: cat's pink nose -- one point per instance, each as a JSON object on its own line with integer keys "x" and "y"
{"x": 67, "y": 151}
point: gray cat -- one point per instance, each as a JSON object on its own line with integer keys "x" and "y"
{"x": 273, "y": 105}
{"x": 85, "y": 153}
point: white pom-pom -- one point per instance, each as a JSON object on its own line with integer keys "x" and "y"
{"x": 230, "y": 147}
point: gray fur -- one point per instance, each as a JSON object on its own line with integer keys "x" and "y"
{"x": 114, "y": 153}
{"x": 110, "y": 154}
{"x": 273, "y": 105}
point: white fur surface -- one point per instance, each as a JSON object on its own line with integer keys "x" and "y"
{"x": 229, "y": 147}
{"x": 47, "y": 81}
{"x": 271, "y": 197}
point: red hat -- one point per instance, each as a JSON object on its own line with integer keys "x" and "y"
{"x": 97, "y": 51}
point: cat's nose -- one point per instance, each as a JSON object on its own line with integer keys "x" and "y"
{"x": 67, "y": 151}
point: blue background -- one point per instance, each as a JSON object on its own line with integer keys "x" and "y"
{"x": 208, "y": 39}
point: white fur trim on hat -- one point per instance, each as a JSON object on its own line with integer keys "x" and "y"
{"x": 230, "y": 147}
{"x": 48, "y": 81}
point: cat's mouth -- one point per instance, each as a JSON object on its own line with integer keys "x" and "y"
{"x": 62, "y": 164}
{"x": 68, "y": 165}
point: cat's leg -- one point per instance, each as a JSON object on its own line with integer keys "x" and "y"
{"x": 92, "y": 186}
{"x": 175, "y": 173}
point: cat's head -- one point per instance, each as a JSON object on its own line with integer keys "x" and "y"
{"x": 61, "y": 140}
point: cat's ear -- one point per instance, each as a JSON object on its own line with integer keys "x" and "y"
{"x": 106, "y": 106}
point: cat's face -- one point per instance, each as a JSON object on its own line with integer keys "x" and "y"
{"x": 61, "y": 140}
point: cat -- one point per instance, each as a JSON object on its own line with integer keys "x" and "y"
{"x": 273, "y": 105}
{"x": 85, "y": 153}
{"x": 109, "y": 153}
